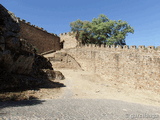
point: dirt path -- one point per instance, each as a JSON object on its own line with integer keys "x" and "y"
{"x": 85, "y": 85}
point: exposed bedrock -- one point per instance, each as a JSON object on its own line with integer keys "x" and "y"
{"x": 20, "y": 66}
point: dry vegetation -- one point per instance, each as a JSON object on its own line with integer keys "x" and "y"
{"x": 51, "y": 89}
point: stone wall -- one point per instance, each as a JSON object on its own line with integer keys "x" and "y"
{"x": 40, "y": 38}
{"x": 135, "y": 67}
{"x": 68, "y": 40}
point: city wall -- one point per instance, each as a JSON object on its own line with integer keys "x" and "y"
{"x": 136, "y": 67}
{"x": 38, "y": 37}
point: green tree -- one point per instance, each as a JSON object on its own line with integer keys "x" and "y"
{"x": 101, "y": 30}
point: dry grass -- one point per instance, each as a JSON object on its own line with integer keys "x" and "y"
{"x": 49, "y": 90}
{"x": 16, "y": 96}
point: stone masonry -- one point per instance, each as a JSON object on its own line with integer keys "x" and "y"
{"x": 38, "y": 37}
{"x": 68, "y": 40}
{"x": 136, "y": 67}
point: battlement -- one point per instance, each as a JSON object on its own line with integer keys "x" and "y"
{"x": 39, "y": 28}
{"x": 37, "y": 36}
{"x": 67, "y": 33}
{"x": 128, "y": 65}
{"x": 71, "y": 42}
{"x": 118, "y": 47}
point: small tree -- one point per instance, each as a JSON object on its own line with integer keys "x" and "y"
{"x": 101, "y": 30}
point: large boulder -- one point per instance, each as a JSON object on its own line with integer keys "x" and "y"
{"x": 54, "y": 75}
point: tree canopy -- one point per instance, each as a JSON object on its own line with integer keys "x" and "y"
{"x": 101, "y": 30}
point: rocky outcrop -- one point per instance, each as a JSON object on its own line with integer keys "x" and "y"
{"x": 20, "y": 66}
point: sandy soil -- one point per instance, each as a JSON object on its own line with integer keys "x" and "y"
{"x": 85, "y": 85}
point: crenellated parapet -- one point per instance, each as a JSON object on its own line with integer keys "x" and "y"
{"x": 69, "y": 40}
{"x": 140, "y": 48}
{"x": 133, "y": 66}
{"x": 37, "y": 36}
{"x": 39, "y": 28}
{"x": 67, "y": 34}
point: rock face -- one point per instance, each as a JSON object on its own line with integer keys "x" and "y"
{"x": 20, "y": 66}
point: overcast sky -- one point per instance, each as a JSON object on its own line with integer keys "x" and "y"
{"x": 56, "y": 15}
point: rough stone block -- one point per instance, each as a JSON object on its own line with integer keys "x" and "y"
{"x": 2, "y": 47}
{"x": 151, "y": 47}
{"x": 10, "y": 34}
{"x": 119, "y": 47}
{"x": 13, "y": 42}
{"x": 158, "y": 48}
{"x": 133, "y": 47}
{"x": 113, "y": 46}
{"x": 125, "y": 47}
{"x": 2, "y": 41}
{"x": 141, "y": 47}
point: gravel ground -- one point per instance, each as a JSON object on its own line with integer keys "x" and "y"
{"x": 85, "y": 97}
{"x": 77, "y": 109}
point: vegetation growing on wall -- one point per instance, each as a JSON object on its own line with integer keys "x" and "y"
{"x": 101, "y": 30}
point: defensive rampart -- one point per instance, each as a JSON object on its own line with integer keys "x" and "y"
{"x": 40, "y": 38}
{"x": 136, "y": 67}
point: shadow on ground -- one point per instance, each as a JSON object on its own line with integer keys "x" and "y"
{"x": 19, "y": 103}
{"x": 21, "y": 93}
{"x": 14, "y": 98}
{"x": 47, "y": 84}
{"x": 50, "y": 84}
